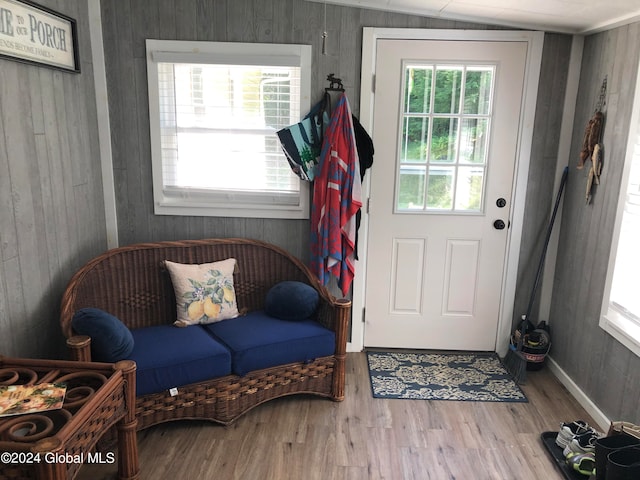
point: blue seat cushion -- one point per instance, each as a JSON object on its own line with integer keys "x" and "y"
{"x": 111, "y": 340}
{"x": 168, "y": 356}
{"x": 259, "y": 341}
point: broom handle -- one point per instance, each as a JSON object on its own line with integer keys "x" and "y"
{"x": 544, "y": 249}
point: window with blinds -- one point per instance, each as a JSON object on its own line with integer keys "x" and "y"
{"x": 621, "y": 306}
{"x": 215, "y": 109}
{"x": 624, "y": 290}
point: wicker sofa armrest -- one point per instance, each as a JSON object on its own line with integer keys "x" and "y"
{"x": 341, "y": 328}
{"x": 79, "y": 348}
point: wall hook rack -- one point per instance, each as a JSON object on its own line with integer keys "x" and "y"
{"x": 335, "y": 83}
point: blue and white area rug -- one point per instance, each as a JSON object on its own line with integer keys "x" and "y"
{"x": 476, "y": 377}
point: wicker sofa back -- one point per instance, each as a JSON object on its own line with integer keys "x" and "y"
{"x": 131, "y": 283}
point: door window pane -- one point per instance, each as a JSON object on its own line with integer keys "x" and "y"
{"x": 469, "y": 188}
{"x": 415, "y": 135}
{"x": 440, "y": 188}
{"x": 445, "y": 126}
{"x": 448, "y": 88}
{"x": 418, "y": 89}
{"x": 412, "y": 187}
{"x": 444, "y": 140}
{"x": 473, "y": 140}
{"x": 477, "y": 90}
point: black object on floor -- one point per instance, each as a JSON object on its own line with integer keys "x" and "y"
{"x": 549, "y": 441}
{"x": 515, "y": 360}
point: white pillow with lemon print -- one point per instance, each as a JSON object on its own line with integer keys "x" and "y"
{"x": 204, "y": 293}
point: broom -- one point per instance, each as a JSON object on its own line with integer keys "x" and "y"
{"x": 515, "y": 361}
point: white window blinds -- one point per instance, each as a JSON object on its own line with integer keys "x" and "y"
{"x": 216, "y": 129}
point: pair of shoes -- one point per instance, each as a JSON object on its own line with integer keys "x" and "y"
{"x": 582, "y": 443}
{"x": 568, "y": 431}
{"x": 584, "y": 463}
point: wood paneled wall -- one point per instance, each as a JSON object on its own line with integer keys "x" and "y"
{"x": 605, "y": 370}
{"x": 51, "y": 201}
{"x": 126, "y": 24}
{"x": 544, "y": 157}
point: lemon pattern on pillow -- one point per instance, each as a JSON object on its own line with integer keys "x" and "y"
{"x": 208, "y": 299}
{"x": 204, "y": 293}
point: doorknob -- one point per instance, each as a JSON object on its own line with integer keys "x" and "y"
{"x": 499, "y": 225}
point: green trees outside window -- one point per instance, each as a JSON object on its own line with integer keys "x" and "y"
{"x": 445, "y": 125}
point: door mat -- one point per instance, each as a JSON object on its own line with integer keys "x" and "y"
{"x": 475, "y": 377}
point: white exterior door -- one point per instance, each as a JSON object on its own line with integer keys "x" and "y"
{"x": 446, "y": 120}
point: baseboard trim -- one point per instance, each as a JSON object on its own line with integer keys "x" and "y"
{"x": 601, "y": 419}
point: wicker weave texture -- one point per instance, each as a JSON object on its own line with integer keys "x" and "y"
{"x": 96, "y": 400}
{"x": 224, "y": 399}
{"x": 132, "y": 284}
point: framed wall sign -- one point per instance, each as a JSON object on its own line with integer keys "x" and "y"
{"x": 35, "y": 34}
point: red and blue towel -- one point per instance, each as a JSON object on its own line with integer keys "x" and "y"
{"x": 337, "y": 196}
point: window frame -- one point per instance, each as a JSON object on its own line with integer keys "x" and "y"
{"x": 623, "y": 327}
{"x": 428, "y": 164}
{"x": 221, "y": 203}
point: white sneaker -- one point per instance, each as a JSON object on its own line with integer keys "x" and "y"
{"x": 584, "y": 443}
{"x": 568, "y": 431}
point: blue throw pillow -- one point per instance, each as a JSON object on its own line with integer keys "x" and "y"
{"x": 291, "y": 301}
{"x": 111, "y": 340}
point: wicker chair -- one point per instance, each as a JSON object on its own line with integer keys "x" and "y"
{"x": 131, "y": 283}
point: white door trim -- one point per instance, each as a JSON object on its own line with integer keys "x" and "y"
{"x": 104, "y": 125}
{"x": 535, "y": 41}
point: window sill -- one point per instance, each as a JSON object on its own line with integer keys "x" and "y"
{"x": 622, "y": 328}
{"x": 232, "y": 209}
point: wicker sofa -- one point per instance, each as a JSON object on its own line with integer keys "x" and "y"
{"x": 132, "y": 284}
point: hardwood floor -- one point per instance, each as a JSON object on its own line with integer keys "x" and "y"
{"x": 364, "y": 438}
